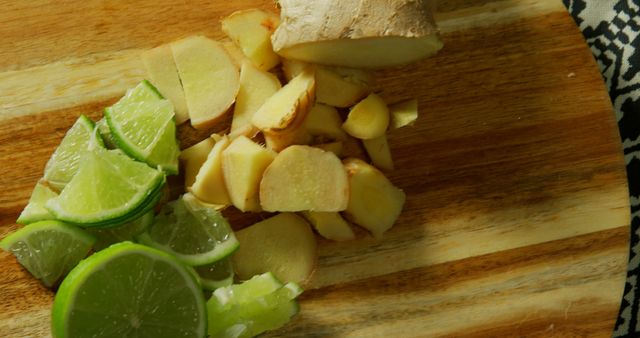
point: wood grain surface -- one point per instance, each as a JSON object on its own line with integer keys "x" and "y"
{"x": 516, "y": 220}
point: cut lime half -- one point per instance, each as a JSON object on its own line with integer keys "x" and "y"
{"x": 35, "y": 210}
{"x": 193, "y": 232}
{"x": 48, "y": 249}
{"x": 64, "y": 162}
{"x": 129, "y": 290}
{"x": 142, "y": 124}
{"x": 109, "y": 188}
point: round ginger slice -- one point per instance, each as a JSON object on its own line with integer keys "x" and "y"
{"x": 304, "y": 178}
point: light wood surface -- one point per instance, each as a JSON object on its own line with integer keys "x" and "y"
{"x": 516, "y": 221}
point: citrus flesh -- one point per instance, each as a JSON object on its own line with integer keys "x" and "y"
{"x": 48, "y": 249}
{"x": 129, "y": 290}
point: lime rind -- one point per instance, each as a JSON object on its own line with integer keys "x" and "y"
{"x": 194, "y": 233}
{"x": 109, "y": 188}
{"x": 121, "y": 233}
{"x": 148, "y": 205}
{"x": 153, "y": 198}
{"x": 48, "y": 249}
{"x": 143, "y": 125}
{"x": 105, "y": 133}
{"x": 166, "y": 157}
{"x": 35, "y": 210}
{"x": 153, "y": 92}
{"x": 65, "y": 161}
{"x": 17, "y": 235}
{"x": 221, "y": 251}
{"x": 137, "y": 303}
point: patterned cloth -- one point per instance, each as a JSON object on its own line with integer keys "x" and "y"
{"x": 612, "y": 30}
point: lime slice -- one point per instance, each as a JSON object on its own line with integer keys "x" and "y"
{"x": 48, "y": 249}
{"x": 193, "y": 232}
{"x": 253, "y": 307}
{"x": 35, "y": 210}
{"x": 105, "y": 132}
{"x": 121, "y": 233}
{"x": 109, "y": 188}
{"x": 129, "y": 290}
{"x": 142, "y": 125}
{"x": 216, "y": 275}
{"x": 65, "y": 160}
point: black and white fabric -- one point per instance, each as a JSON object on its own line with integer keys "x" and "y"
{"x": 612, "y": 30}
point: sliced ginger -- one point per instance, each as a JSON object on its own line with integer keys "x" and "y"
{"x": 292, "y": 68}
{"x": 243, "y": 163}
{"x": 379, "y": 152}
{"x": 251, "y": 30}
{"x": 374, "y": 202}
{"x": 289, "y": 106}
{"x": 233, "y": 169}
{"x": 278, "y": 141}
{"x": 281, "y": 118}
{"x": 304, "y": 178}
{"x": 324, "y": 121}
{"x": 334, "y": 90}
{"x": 403, "y": 113}
{"x": 330, "y": 225}
{"x": 193, "y": 157}
{"x": 209, "y": 185}
{"x": 335, "y": 86}
{"x": 210, "y": 79}
{"x": 256, "y": 86}
{"x": 367, "y": 119}
{"x": 235, "y": 53}
{"x": 283, "y": 244}
{"x": 163, "y": 74}
{"x": 355, "y": 75}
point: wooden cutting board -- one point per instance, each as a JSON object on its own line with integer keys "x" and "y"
{"x": 517, "y": 216}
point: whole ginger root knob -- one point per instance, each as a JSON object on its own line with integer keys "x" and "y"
{"x": 357, "y": 33}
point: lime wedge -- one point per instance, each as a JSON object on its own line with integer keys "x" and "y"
{"x": 65, "y": 160}
{"x": 167, "y": 151}
{"x": 253, "y": 307}
{"x": 193, "y": 232}
{"x": 216, "y": 275}
{"x": 129, "y": 290}
{"x": 105, "y": 132}
{"x": 121, "y": 233}
{"x": 35, "y": 210}
{"x": 48, "y": 249}
{"x": 108, "y": 189}
{"x": 142, "y": 125}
